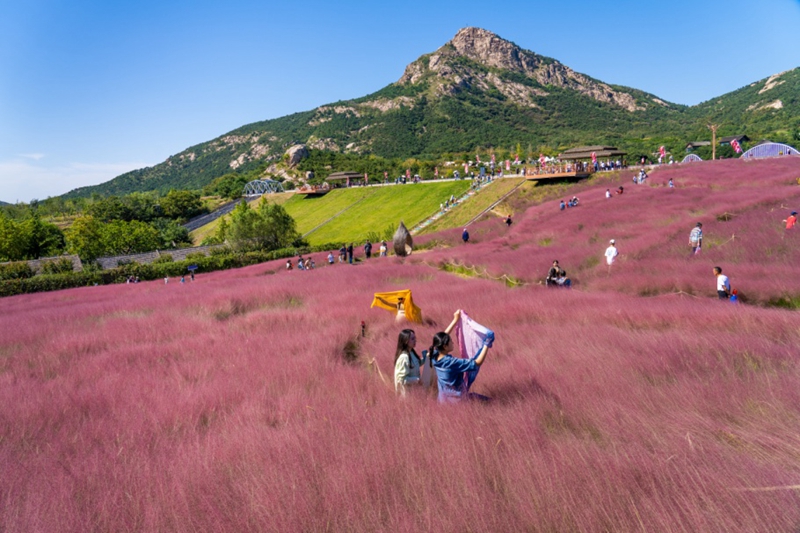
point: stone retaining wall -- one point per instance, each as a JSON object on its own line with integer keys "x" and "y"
{"x": 178, "y": 254}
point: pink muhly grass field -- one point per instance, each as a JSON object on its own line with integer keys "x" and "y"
{"x": 246, "y": 401}
{"x": 741, "y": 205}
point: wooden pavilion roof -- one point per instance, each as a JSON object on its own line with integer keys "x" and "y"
{"x": 337, "y": 176}
{"x": 585, "y": 152}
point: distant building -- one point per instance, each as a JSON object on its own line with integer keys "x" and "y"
{"x": 345, "y": 179}
{"x": 697, "y": 144}
{"x": 739, "y": 138}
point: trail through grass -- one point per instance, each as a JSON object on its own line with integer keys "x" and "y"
{"x": 474, "y": 206}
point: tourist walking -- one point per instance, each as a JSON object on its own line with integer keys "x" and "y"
{"x": 465, "y": 236}
{"x": 696, "y": 238}
{"x": 350, "y": 253}
{"x": 723, "y": 284}
{"x": 611, "y": 253}
{"x": 368, "y": 249}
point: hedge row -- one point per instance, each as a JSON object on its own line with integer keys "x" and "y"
{"x": 53, "y": 282}
{"x": 16, "y": 270}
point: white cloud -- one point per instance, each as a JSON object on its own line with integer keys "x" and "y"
{"x": 35, "y": 157}
{"x": 25, "y": 179}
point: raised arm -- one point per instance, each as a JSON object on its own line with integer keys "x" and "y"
{"x": 481, "y": 355}
{"x": 456, "y": 316}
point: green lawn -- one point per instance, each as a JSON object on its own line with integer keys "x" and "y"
{"x": 381, "y": 207}
{"x": 386, "y": 206}
{"x": 309, "y": 212}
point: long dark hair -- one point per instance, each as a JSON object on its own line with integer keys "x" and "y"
{"x": 440, "y": 340}
{"x": 402, "y": 346}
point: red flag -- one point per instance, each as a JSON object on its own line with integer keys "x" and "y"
{"x": 594, "y": 157}
{"x": 662, "y": 151}
{"x": 516, "y": 159}
{"x": 541, "y": 159}
{"x": 508, "y": 164}
{"x": 736, "y": 146}
{"x": 408, "y": 173}
{"x": 478, "y": 158}
{"x": 366, "y": 178}
{"x": 492, "y": 158}
{"x": 466, "y": 168}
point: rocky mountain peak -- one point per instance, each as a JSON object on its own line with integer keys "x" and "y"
{"x": 495, "y": 55}
{"x": 491, "y": 50}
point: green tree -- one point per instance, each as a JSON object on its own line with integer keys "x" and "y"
{"x": 171, "y": 233}
{"x": 108, "y": 209}
{"x": 85, "y": 239}
{"x": 269, "y": 227}
{"x": 122, "y": 238}
{"x": 42, "y": 239}
{"x": 180, "y": 204}
{"x": 12, "y": 243}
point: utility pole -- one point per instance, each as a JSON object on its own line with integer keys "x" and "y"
{"x": 713, "y": 128}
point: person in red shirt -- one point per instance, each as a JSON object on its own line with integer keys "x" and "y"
{"x": 791, "y": 221}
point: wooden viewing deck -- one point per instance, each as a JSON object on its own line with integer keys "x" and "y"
{"x": 313, "y": 191}
{"x": 559, "y": 175}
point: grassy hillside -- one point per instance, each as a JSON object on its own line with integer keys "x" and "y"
{"x": 350, "y": 214}
{"x": 385, "y": 208}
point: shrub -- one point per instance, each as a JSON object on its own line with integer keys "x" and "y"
{"x": 163, "y": 258}
{"x": 61, "y": 265}
{"x": 16, "y": 270}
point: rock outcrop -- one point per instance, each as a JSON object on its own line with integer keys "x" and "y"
{"x": 296, "y": 153}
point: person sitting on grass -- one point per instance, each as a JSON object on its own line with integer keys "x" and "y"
{"x": 450, "y": 371}
{"x": 791, "y": 220}
{"x": 557, "y": 277}
{"x": 407, "y": 363}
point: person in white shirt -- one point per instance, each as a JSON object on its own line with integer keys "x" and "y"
{"x": 611, "y": 252}
{"x": 723, "y": 284}
{"x": 696, "y": 238}
{"x": 407, "y": 363}
{"x": 608, "y": 193}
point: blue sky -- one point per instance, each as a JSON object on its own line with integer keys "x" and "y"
{"x": 91, "y": 89}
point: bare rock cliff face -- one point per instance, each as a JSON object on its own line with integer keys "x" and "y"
{"x": 489, "y": 50}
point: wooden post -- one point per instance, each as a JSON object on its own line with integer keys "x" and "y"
{"x": 713, "y": 128}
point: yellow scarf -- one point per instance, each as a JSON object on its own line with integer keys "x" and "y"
{"x": 390, "y": 300}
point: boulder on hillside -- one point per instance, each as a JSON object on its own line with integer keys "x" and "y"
{"x": 296, "y": 153}
{"x": 403, "y": 243}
